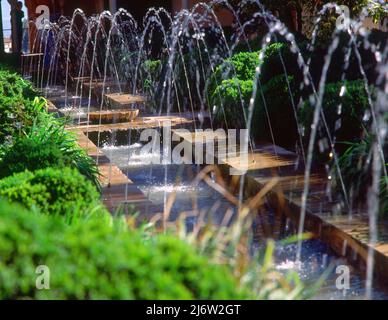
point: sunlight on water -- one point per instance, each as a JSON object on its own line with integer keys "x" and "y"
{"x": 182, "y": 65}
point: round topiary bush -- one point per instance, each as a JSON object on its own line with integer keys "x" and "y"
{"x": 98, "y": 259}
{"x": 62, "y": 191}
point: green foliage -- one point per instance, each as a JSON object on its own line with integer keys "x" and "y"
{"x": 231, "y": 100}
{"x": 13, "y": 85}
{"x": 231, "y": 97}
{"x": 31, "y": 155}
{"x": 152, "y": 66}
{"x": 377, "y": 9}
{"x": 25, "y": 122}
{"x": 49, "y": 130}
{"x": 99, "y": 259}
{"x": 151, "y": 74}
{"x": 345, "y": 125}
{"x": 18, "y": 105}
{"x": 355, "y": 165}
{"x": 51, "y": 191}
{"x": 356, "y": 172}
{"x": 279, "y": 116}
{"x": 230, "y": 88}
{"x": 241, "y": 66}
{"x": 275, "y": 55}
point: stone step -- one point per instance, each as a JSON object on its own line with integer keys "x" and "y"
{"x": 123, "y": 101}
{"x": 137, "y": 124}
{"x": 114, "y": 116}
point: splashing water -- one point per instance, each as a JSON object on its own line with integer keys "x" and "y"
{"x": 171, "y": 60}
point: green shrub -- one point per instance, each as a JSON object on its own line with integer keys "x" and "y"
{"x": 231, "y": 87}
{"x": 49, "y": 130}
{"x": 230, "y": 101}
{"x": 241, "y": 66}
{"x": 18, "y": 105}
{"x": 346, "y": 125}
{"x": 355, "y": 165}
{"x": 151, "y": 72}
{"x": 31, "y": 155}
{"x": 51, "y": 191}
{"x": 239, "y": 72}
{"x": 13, "y": 85}
{"x": 22, "y": 114}
{"x": 100, "y": 260}
{"x": 280, "y": 114}
{"x": 277, "y": 54}
{"x": 17, "y": 115}
{"x": 356, "y": 171}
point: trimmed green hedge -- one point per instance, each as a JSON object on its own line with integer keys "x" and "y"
{"x": 346, "y": 125}
{"x": 279, "y": 113}
{"x": 61, "y": 191}
{"x": 241, "y": 66}
{"x": 230, "y": 101}
{"x": 273, "y": 65}
{"x": 100, "y": 260}
{"x": 231, "y": 88}
{"x": 234, "y": 95}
